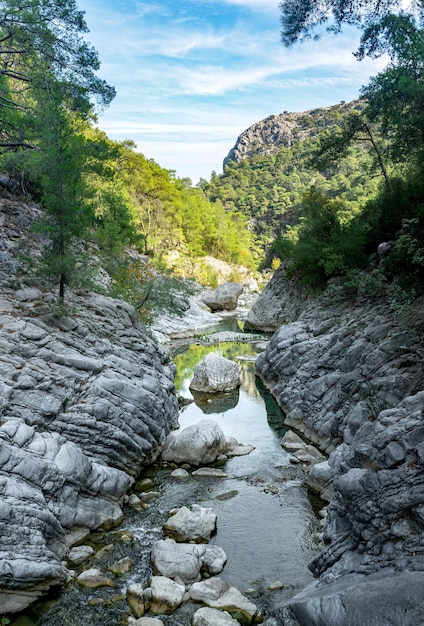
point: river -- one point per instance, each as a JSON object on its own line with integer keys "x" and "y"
{"x": 266, "y": 523}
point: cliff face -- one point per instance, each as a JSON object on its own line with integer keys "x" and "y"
{"x": 269, "y": 135}
{"x": 86, "y": 401}
{"x": 352, "y": 380}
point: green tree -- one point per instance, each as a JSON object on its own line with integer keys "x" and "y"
{"x": 61, "y": 156}
{"x": 40, "y": 35}
{"x": 303, "y": 19}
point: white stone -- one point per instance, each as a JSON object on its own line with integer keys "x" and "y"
{"x": 215, "y": 373}
{"x": 196, "y": 524}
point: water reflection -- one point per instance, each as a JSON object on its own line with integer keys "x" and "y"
{"x": 210, "y": 403}
{"x": 266, "y": 525}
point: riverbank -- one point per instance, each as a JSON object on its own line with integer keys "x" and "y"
{"x": 350, "y": 376}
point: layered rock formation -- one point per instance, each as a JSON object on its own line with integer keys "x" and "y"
{"x": 352, "y": 379}
{"x": 86, "y": 401}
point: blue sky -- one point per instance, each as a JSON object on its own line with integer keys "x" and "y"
{"x": 192, "y": 75}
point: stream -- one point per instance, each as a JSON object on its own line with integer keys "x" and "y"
{"x": 266, "y": 523}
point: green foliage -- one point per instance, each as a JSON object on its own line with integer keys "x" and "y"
{"x": 36, "y": 39}
{"x": 137, "y": 282}
{"x": 302, "y": 20}
{"x": 269, "y": 190}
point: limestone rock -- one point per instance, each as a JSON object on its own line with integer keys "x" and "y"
{"x": 224, "y": 297}
{"x": 196, "y": 524}
{"x": 166, "y": 595}
{"x": 351, "y": 379}
{"x": 198, "y": 443}
{"x": 135, "y": 598}
{"x": 281, "y": 302}
{"x": 80, "y": 554}
{"x": 216, "y": 593}
{"x": 213, "y": 617}
{"x": 215, "y": 373}
{"x": 178, "y": 560}
{"x": 86, "y": 401}
{"x": 145, "y": 621}
{"x": 94, "y": 578}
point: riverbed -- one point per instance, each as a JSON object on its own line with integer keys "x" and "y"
{"x": 266, "y": 523}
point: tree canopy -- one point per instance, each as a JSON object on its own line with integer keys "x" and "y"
{"x": 303, "y": 19}
{"x": 43, "y": 40}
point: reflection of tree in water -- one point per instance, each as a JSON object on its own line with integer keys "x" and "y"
{"x": 247, "y": 377}
{"x": 275, "y": 415}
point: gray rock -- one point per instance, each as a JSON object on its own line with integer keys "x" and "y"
{"x": 94, "y": 578}
{"x": 166, "y": 595}
{"x": 80, "y": 554}
{"x": 212, "y": 617}
{"x": 280, "y": 302}
{"x": 224, "y": 297}
{"x": 178, "y": 560}
{"x": 198, "y": 443}
{"x": 350, "y": 378}
{"x": 196, "y": 524}
{"x": 85, "y": 405}
{"x": 135, "y": 598}
{"x": 215, "y": 373}
{"x": 217, "y": 594}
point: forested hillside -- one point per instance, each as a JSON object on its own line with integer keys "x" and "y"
{"x": 269, "y": 189}
{"x": 330, "y": 198}
{"x": 97, "y": 194}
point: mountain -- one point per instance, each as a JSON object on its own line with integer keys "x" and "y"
{"x": 271, "y": 169}
{"x": 270, "y": 134}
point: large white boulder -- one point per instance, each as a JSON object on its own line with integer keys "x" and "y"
{"x": 224, "y": 297}
{"x": 197, "y": 444}
{"x": 196, "y": 524}
{"x": 215, "y": 373}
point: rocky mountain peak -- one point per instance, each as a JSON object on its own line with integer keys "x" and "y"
{"x": 270, "y": 134}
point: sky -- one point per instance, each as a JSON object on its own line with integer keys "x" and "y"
{"x": 192, "y": 75}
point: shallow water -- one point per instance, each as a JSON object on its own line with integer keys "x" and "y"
{"x": 265, "y": 519}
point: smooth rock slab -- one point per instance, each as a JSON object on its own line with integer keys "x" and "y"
{"x": 215, "y": 373}
{"x": 197, "y": 524}
{"x": 213, "y": 617}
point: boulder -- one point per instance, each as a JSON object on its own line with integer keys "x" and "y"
{"x": 186, "y": 561}
{"x": 216, "y": 593}
{"x": 213, "y": 617}
{"x": 224, "y": 297}
{"x": 177, "y": 560}
{"x": 196, "y": 524}
{"x": 166, "y": 595}
{"x": 281, "y": 302}
{"x": 215, "y": 373}
{"x": 198, "y": 443}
